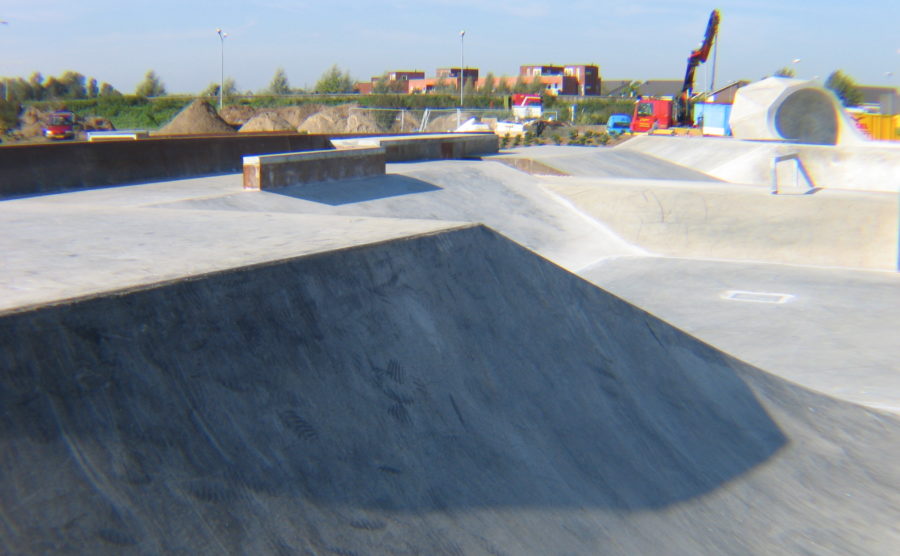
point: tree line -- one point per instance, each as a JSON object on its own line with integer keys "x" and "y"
{"x": 69, "y": 85}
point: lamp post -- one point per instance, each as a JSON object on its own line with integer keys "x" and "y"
{"x": 222, "y": 36}
{"x": 795, "y": 61}
{"x": 462, "y": 66}
{"x": 5, "y": 83}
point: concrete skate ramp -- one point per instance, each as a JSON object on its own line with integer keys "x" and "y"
{"x": 873, "y": 166}
{"x": 791, "y": 110}
{"x": 445, "y": 394}
{"x": 593, "y": 162}
{"x": 704, "y": 220}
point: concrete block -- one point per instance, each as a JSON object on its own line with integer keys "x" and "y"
{"x": 406, "y": 148}
{"x": 280, "y": 170}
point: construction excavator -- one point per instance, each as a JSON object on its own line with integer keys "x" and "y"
{"x": 655, "y": 113}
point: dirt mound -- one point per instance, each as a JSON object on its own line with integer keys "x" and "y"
{"x": 341, "y": 119}
{"x": 31, "y": 123}
{"x": 296, "y": 115}
{"x": 332, "y": 119}
{"x": 237, "y": 115}
{"x": 267, "y": 121}
{"x": 449, "y": 122}
{"x": 96, "y": 123}
{"x": 31, "y": 116}
{"x": 197, "y": 118}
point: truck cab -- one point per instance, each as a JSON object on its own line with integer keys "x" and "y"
{"x": 652, "y": 113}
{"x": 61, "y": 125}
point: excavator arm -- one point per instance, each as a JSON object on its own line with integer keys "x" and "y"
{"x": 696, "y": 58}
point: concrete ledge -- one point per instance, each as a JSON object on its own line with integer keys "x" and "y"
{"x": 407, "y": 148}
{"x": 54, "y": 167}
{"x": 280, "y": 170}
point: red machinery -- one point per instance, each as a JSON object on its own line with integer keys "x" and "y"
{"x": 61, "y": 125}
{"x": 650, "y": 113}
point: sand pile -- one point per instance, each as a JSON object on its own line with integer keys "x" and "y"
{"x": 197, "y": 118}
{"x": 341, "y": 119}
{"x": 31, "y": 122}
{"x": 97, "y": 123}
{"x": 443, "y": 124}
{"x": 296, "y": 115}
{"x": 267, "y": 121}
{"x": 237, "y": 115}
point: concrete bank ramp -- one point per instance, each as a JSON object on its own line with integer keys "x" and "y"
{"x": 702, "y": 220}
{"x": 870, "y": 166}
{"x": 444, "y": 394}
{"x": 597, "y": 162}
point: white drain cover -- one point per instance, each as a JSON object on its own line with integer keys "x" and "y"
{"x": 757, "y": 297}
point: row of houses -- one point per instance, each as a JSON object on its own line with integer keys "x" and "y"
{"x": 580, "y": 80}
{"x": 584, "y": 80}
{"x": 569, "y": 80}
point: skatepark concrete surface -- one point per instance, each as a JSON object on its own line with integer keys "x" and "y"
{"x": 455, "y": 358}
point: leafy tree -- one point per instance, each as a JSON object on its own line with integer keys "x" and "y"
{"x": 9, "y": 114}
{"x": 107, "y": 90}
{"x": 36, "y": 83}
{"x": 520, "y": 86}
{"x": 785, "y": 72}
{"x": 535, "y": 86}
{"x": 72, "y": 84}
{"x": 53, "y": 89}
{"x": 844, "y": 87}
{"x": 212, "y": 90}
{"x": 488, "y": 87}
{"x": 503, "y": 88}
{"x": 279, "y": 84}
{"x": 230, "y": 88}
{"x": 334, "y": 81}
{"x": 151, "y": 86}
{"x": 384, "y": 85}
{"x": 469, "y": 89}
{"x": 93, "y": 90}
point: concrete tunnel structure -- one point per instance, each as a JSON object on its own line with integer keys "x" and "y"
{"x": 361, "y": 367}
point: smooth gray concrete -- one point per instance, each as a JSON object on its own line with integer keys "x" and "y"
{"x": 832, "y": 332}
{"x": 597, "y": 163}
{"x": 872, "y": 166}
{"x": 443, "y": 394}
{"x": 60, "y": 247}
{"x": 351, "y": 368}
{"x": 715, "y": 220}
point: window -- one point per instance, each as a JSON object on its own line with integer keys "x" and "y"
{"x": 645, "y": 109}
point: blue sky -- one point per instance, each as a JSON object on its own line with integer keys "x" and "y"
{"x": 118, "y": 41}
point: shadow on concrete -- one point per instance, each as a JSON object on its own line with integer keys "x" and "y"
{"x": 439, "y": 374}
{"x": 347, "y": 192}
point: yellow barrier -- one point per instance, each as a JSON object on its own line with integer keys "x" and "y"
{"x": 880, "y": 127}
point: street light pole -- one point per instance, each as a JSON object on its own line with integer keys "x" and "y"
{"x": 222, "y": 36}
{"x": 5, "y": 82}
{"x": 462, "y": 66}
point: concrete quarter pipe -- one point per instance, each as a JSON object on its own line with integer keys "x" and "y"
{"x": 450, "y": 393}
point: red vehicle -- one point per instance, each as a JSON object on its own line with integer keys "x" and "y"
{"x": 651, "y": 113}
{"x": 60, "y": 126}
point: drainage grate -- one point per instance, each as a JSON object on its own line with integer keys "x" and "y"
{"x": 757, "y": 297}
